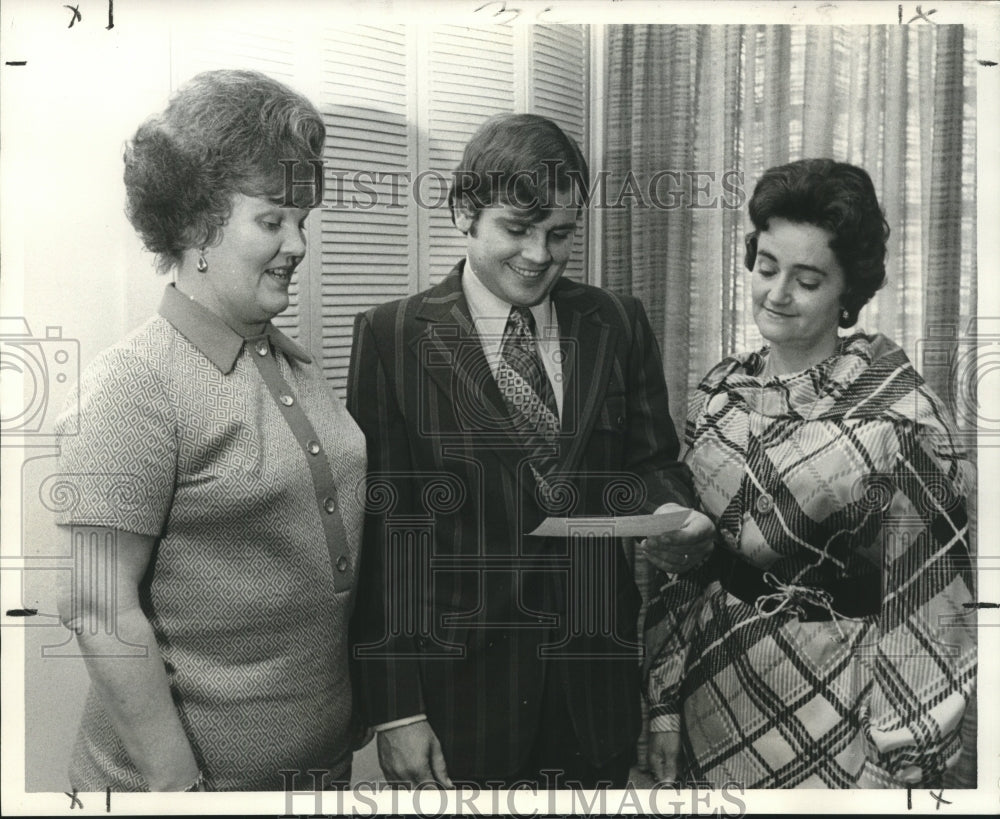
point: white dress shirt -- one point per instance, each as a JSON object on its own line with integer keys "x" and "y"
{"x": 490, "y": 312}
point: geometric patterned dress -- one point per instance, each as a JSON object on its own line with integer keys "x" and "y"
{"x": 825, "y": 643}
{"x": 239, "y": 458}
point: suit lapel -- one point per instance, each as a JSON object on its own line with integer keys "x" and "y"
{"x": 588, "y": 345}
{"x": 451, "y": 353}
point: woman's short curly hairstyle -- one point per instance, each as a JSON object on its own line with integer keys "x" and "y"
{"x": 224, "y": 132}
{"x": 837, "y": 197}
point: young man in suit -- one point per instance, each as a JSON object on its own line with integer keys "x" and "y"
{"x": 498, "y": 397}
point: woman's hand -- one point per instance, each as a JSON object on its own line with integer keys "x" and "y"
{"x": 123, "y": 660}
{"x": 683, "y": 549}
{"x": 664, "y": 755}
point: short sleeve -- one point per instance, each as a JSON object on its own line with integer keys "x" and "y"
{"x": 118, "y": 470}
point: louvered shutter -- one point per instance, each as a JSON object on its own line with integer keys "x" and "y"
{"x": 369, "y": 238}
{"x": 559, "y": 70}
{"x": 470, "y": 78}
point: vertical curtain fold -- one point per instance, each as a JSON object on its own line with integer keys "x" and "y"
{"x": 775, "y": 101}
{"x": 732, "y": 241}
{"x": 942, "y": 298}
{"x": 944, "y": 235}
{"x": 817, "y": 133}
{"x": 890, "y": 303}
{"x": 709, "y": 153}
{"x": 616, "y": 267}
{"x": 646, "y": 166}
{"x": 925, "y": 103}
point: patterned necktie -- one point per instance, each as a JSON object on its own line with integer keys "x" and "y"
{"x": 527, "y": 392}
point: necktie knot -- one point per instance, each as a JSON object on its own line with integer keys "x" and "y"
{"x": 522, "y": 320}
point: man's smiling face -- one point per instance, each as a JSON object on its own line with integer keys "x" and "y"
{"x": 517, "y": 259}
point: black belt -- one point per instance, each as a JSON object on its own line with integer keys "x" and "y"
{"x": 856, "y": 596}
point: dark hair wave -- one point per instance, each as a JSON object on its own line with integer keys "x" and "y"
{"x": 839, "y": 198}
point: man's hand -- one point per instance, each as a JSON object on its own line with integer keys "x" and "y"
{"x": 664, "y": 755}
{"x": 412, "y": 754}
{"x": 682, "y": 549}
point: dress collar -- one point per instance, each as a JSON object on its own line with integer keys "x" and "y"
{"x": 862, "y": 364}
{"x": 217, "y": 341}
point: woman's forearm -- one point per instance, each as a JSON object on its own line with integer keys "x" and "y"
{"x": 136, "y": 695}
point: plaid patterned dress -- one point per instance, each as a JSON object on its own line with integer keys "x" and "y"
{"x": 826, "y": 643}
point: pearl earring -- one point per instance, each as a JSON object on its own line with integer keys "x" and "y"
{"x": 844, "y": 315}
{"x": 202, "y": 261}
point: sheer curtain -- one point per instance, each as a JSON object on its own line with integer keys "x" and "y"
{"x": 696, "y": 113}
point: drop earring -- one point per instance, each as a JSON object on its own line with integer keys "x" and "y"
{"x": 202, "y": 261}
{"x": 844, "y": 315}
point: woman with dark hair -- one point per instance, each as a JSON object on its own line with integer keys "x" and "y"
{"x": 825, "y": 642}
{"x": 225, "y": 478}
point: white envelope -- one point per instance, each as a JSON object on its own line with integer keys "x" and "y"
{"x": 628, "y": 526}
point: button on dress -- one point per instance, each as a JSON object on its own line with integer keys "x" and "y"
{"x": 257, "y": 505}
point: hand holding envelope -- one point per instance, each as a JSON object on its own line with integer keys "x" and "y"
{"x": 681, "y": 549}
{"x": 675, "y": 538}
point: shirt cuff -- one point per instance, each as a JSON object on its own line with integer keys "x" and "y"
{"x": 399, "y": 723}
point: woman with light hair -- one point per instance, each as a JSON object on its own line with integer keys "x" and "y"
{"x": 218, "y": 650}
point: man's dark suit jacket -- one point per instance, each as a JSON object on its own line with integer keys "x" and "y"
{"x": 459, "y": 614}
